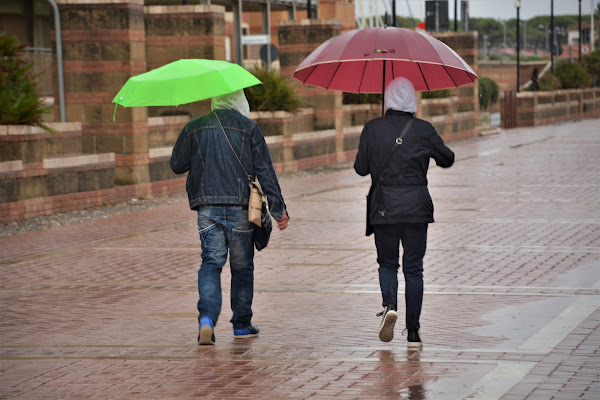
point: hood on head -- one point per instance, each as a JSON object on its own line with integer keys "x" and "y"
{"x": 232, "y": 101}
{"x": 400, "y": 95}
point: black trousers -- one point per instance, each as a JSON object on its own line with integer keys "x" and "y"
{"x": 413, "y": 238}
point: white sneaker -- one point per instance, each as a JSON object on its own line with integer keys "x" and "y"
{"x": 386, "y": 329}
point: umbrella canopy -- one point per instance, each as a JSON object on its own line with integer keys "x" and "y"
{"x": 184, "y": 81}
{"x": 366, "y": 60}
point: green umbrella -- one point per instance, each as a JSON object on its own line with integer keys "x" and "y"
{"x": 182, "y": 82}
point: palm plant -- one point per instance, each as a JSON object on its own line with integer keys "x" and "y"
{"x": 273, "y": 95}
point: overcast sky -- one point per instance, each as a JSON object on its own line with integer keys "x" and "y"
{"x": 503, "y": 9}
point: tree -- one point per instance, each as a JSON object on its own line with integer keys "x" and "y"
{"x": 20, "y": 101}
{"x": 536, "y": 30}
{"x": 488, "y": 92}
{"x": 493, "y": 29}
{"x": 591, "y": 63}
{"x": 572, "y": 75}
{"x": 273, "y": 95}
{"x": 405, "y": 22}
{"x": 597, "y": 18}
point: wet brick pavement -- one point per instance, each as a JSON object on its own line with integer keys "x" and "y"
{"x": 105, "y": 309}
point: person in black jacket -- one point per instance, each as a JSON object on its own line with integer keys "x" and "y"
{"x": 400, "y": 208}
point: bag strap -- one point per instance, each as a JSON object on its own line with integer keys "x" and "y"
{"x": 387, "y": 160}
{"x": 397, "y": 144}
{"x": 231, "y": 147}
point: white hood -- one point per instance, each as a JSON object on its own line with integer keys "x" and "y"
{"x": 400, "y": 95}
{"x": 232, "y": 101}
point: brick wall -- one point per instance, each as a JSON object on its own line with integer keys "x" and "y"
{"x": 93, "y": 160}
{"x": 177, "y": 32}
{"x": 460, "y": 120}
{"x": 103, "y": 45}
{"x": 543, "y": 108}
{"x": 42, "y": 173}
{"x": 504, "y": 73}
{"x": 449, "y": 119}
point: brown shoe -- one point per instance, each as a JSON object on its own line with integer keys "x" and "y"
{"x": 206, "y": 336}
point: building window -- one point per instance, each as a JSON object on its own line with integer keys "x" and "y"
{"x": 585, "y": 36}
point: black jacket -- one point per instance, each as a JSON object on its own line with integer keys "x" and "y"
{"x": 402, "y": 190}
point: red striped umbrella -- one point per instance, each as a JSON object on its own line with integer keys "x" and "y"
{"x": 366, "y": 60}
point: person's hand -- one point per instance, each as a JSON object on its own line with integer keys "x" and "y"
{"x": 283, "y": 222}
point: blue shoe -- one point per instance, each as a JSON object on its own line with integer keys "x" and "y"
{"x": 248, "y": 332}
{"x": 207, "y": 332}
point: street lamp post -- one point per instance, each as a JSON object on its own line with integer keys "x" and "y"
{"x": 456, "y": 14}
{"x": 592, "y": 37}
{"x": 556, "y": 35}
{"x": 524, "y": 34}
{"x": 552, "y": 33}
{"x": 545, "y": 28}
{"x": 485, "y": 56}
{"x": 518, "y": 6}
{"x": 437, "y": 16}
{"x": 579, "y": 55}
{"x": 504, "y": 40}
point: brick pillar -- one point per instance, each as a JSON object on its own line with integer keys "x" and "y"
{"x": 297, "y": 39}
{"x": 103, "y": 45}
{"x": 184, "y": 31}
{"x": 467, "y": 108}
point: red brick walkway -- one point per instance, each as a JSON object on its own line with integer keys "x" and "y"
{"x": 106, "y": 309}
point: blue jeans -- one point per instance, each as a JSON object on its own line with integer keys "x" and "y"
{"x": 414, "y": 242}
{"x": 226, "y": 229}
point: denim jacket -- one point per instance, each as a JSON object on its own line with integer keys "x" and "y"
{"x": 215, "y": 175}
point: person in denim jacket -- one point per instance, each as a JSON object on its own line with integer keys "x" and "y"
{"x": 218, "y": 190}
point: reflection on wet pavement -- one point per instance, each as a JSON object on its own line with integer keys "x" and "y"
{"x": 106, "y": 309}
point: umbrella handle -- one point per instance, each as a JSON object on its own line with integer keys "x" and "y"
{"x": 115, "y": 112}
{"x": 383, "y": 92}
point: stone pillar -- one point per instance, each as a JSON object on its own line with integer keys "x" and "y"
{"x": 297, "y": 39}
{"x": 341, "y": 10}
{"x": 103, "y": 45}
{"x": 184, "y": 31}
{"x": 467, "y": 108}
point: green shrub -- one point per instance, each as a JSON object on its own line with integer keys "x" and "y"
{"x": 572, "y": 75}
{"x": 20, "y": 101}
{"x": 591, "y": 63}
{"x": 436, "y": 94}
{"x": 488, "y": 92}
{"x": 273, "y": 95}
{"x": 361, "y": 98}
{"x": 549, "y": 82}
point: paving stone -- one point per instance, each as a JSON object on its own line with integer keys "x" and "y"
{"x": 105, "y": 309}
